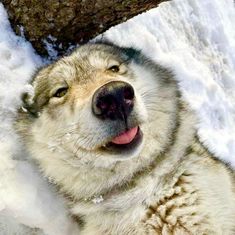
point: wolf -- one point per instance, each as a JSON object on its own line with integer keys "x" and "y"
{"x": 109, "y": 129}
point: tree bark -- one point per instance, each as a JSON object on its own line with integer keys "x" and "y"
{"x": 69, "y": 22}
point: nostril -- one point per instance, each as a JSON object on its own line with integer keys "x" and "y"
{"x": 102, "y": 105}
{"x": 105, "y": 105}
{"x": 128, "y": 93}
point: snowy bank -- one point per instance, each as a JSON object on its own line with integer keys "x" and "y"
{"x": 194, "y": 38}
{"x": 24, "y": 196}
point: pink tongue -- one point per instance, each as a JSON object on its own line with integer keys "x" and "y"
{"x": 126, "y": 137}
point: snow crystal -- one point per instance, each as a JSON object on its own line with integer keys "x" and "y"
{"x": 67, "y": 136}
{"x": 24, "y": 109}
{"x": 50, "y": 45}
{"x": 97, "y": 199}
{"x": 21, "y": 29}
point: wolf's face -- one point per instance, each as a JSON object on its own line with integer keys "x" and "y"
{"x": 103, "y": 103}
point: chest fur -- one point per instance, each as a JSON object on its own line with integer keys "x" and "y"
{"x": 177, "y": 203}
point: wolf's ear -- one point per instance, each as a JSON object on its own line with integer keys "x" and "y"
{"x": 28, "y": 102}
{"x": 131, "y": 52}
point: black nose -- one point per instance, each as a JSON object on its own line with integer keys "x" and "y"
{"x": 114, "y": 100}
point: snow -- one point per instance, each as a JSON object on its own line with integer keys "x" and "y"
{"x": 49, "y": 44}
{"x": 24, "y": 196}
{"x": 194, "y": 38}
{"x": 97, "y": 199}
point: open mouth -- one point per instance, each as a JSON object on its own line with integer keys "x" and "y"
{"x": 126, "y": 137}
{"x": 126, "y": 141}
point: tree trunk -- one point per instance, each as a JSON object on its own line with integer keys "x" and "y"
{"x": 70, "y": 22}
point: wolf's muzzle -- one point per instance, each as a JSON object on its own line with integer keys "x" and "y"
{"x": 114, "y": 100}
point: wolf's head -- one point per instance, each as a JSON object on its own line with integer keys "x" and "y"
{"x": 101, "y": 105}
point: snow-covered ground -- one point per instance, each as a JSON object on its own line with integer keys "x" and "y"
{"x": 24, "y": 196}
{"x": 195, "y": 38}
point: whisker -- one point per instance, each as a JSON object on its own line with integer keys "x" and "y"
{"x": 75, "y": 145}
{"x": 161, "y": 111}
{"x": 61, "y": 135}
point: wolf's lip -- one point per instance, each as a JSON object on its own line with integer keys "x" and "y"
{"x": 126, "y": 137}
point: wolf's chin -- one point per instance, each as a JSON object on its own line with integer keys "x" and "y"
{"x": 132, "y": 154}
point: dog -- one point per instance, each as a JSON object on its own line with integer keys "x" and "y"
{"x": 108, "y": 127}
